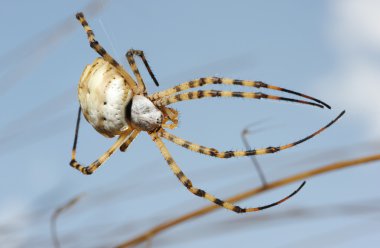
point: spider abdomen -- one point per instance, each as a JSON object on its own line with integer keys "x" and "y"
{"x": 103, "y": 95}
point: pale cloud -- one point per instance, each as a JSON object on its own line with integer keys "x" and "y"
{"x": 357, "y": 88}
{"x": 355, "y": 24}
{"x": 354, "y": 81}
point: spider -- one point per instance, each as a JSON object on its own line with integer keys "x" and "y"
{"x": 115, "y": 105}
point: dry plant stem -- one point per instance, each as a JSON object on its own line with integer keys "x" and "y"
{"x": 254, "y": 160}
{"x": 55, "y": 215}
{"x": 197, "y": 213}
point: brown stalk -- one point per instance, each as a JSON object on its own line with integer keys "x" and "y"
{"x": 148, "y": 235}
{"x": 56, "y": 214}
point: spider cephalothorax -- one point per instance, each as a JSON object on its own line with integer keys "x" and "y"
{"x": 143, "y": 115}
{"x": 116, "y": 105}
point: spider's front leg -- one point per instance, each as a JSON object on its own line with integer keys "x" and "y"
{"x": 227, "y": 81}
{"x": 229, "y": 154}
{"x": 201, "y": 193}
{"x": 141, "y": 85}
{"x": 192, "y": 95}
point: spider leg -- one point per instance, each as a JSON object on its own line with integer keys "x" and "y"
{"x": 74, "y": 150}
{"x": 228, "y": 154}
{"x": 217, "y": 93}
{"x": 129, "y": 140}
{"x": 201, "y": 193}
{"x": 227, "y": 81}
{"x": 132, "y": 63}
{"x": 102, "y": 52}
{"x": 172, "y": 115}
{"x": 87, "y": 170}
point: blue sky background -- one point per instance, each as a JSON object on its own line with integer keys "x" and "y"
{"x": 327, "y": 49}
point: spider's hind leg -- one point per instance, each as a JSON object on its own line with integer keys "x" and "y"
{"x": 129, "y": 140}
{"x": 102, "y": 52}
{"x": 201, "y": 193}
{"x": 136, "y": 72}
{"x": 87, "y": 170}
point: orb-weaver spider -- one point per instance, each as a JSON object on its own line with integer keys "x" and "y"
{"x": 114, "y": 104}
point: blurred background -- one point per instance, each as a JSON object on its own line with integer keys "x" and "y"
{"x": 327, "y": 49}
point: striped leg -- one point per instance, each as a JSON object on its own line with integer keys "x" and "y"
{"x": 74, "y": 150}
{"x": 201, "y": 193}
{"x": 132, "y": 63}
{"x": 87, "y": 170}
{"x": 217, "y": 93}
{"x": 227, "y": 81}
{"x": 129, "y": 140}
{"x": 228, "y": 154}
{"x": 102, "y": 52}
